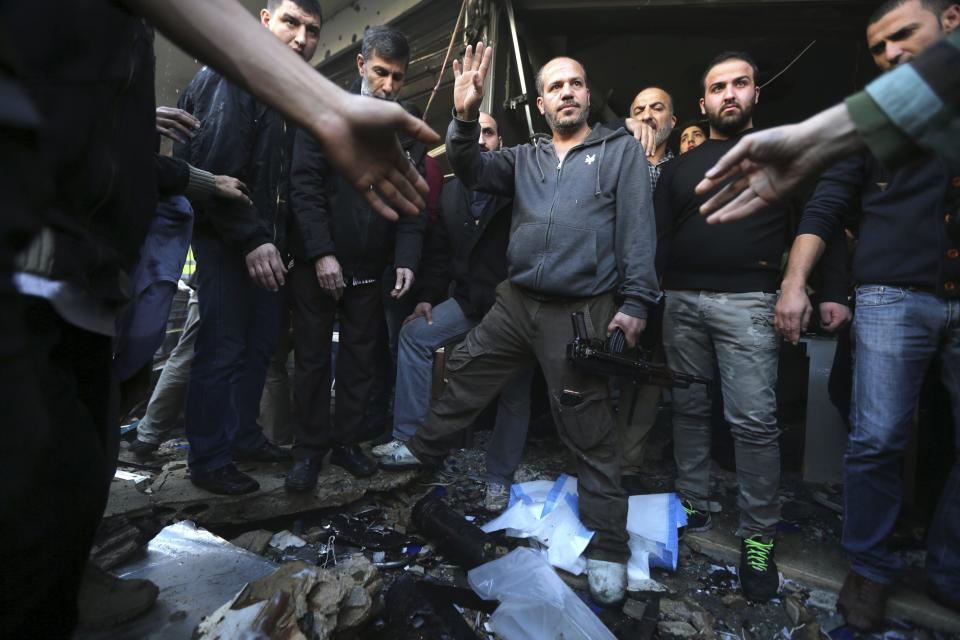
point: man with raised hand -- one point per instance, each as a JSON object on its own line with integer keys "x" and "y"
{"x": 582, "y": 240}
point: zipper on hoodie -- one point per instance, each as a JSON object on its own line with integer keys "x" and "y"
{"x": 553, "y": 205}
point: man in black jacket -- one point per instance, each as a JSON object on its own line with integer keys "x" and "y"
{"x": 467, "y": 246}
{"x": 239, "y": 264}
{"x": 78, "y": 134}
{"x": 907, "y": 271}
{"x": 720, "y": 288}
{"x": 341, "y": 248}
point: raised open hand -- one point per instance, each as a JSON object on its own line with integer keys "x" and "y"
{"x": 765, "y": 166}
{"x": 468, "y": 81}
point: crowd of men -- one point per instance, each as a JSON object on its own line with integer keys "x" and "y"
{"x": 289, "y": 220}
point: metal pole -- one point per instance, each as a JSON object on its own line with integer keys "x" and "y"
{"x": 516, "y": 53}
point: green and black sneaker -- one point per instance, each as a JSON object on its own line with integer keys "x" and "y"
{"x": 697, "y": 520}
{"x": 759, "y": 577}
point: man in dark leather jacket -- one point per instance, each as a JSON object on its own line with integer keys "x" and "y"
{"x": 239, "y": 263}
{"x": 341, "y": 249}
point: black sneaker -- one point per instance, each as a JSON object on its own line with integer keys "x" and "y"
{"x": 227, "y": 480}
{"x": 303, "y": 476}
{"x": 758, "y": 573}
{"x": 697, "y": 520}
{"x": 140, "y": 448}
{"x": 267, "y": 452}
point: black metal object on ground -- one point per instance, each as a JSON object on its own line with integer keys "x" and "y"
{"x": 462, "y": 541}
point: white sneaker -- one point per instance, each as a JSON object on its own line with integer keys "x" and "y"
{"x": 400, "y": 458}
{"x": 607, "y": 580}
{"x": 497, "y": 497}
{"x": 386, "y": 449}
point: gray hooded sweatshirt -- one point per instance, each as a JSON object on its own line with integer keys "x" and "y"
{"x": 581, "y": 228}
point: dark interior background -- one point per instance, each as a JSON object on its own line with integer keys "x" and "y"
{"x": 628, "y": 45}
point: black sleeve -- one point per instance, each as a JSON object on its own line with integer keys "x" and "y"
{"x": 409, "y": 241}
{"x": 664, "y": 215}
{"x": 433, "y": 281}
{"x": 173, "y": 175}
{"x": 309, "y": 173}
{"x": 225, "y": 147}
{"x": 833, "y": 270}
{"x": 837, "y": 191}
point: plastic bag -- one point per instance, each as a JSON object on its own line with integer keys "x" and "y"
{"x": 535, "y": 604}
{"x": 547, "y": 512}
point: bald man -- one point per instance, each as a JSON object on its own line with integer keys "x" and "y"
{"x": 582, "y": 240}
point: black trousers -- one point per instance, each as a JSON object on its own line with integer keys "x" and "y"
{"x": 361, "y": 366}
{"x": 58, "y": 452}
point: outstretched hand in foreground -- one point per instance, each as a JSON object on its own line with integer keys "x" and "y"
{"x": 765, "y": 166}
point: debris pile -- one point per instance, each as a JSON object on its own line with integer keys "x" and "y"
{"x": 299, "y": 601}
{"x": 402, "y": 562}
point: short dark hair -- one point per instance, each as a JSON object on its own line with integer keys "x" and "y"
{"x": 538, "y": 80}
{"x": 936, "y": 7}
{"x": 387, "y": 42}
{"x": 310, "y": 6}
{"x": 693, "y": 122}
{"x": 730, "y": 55}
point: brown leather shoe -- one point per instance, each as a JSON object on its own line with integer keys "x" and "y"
{"x": 862, "y": 602}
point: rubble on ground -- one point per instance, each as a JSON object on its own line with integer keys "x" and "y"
{"x": 372, "y": 528}
{"x": 299, "y": 601}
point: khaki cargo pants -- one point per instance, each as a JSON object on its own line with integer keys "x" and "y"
{"x": 519, "y": 331}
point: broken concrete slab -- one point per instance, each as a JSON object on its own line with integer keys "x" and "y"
{"x": 125, "y": 499}
{"x": 254, "y": 541}
{"x": 824, "y": 568}
{"x": 634, "y": 608}
{"x": 675, "y": 630}
{"x": 335, "y": 487}
{"x": 174, "y": 497}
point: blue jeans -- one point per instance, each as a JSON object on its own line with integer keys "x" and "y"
{"x": 239, "y": 332}
{"x": 418, "y": 341}
{"x": 897, "y": 335}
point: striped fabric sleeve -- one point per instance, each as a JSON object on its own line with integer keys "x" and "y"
{"x": 914, "y": 106}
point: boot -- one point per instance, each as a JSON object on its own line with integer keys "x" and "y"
{"x": 105, "y": 601}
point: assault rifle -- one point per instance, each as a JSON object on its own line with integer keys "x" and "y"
{"x": 606, "y": 358}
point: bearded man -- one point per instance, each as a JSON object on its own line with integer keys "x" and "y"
{"x": 720, "y": 287}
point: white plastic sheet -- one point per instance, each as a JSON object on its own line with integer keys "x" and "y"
{"x": 547, "y": 512}
{"x": 535, "y": 604}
